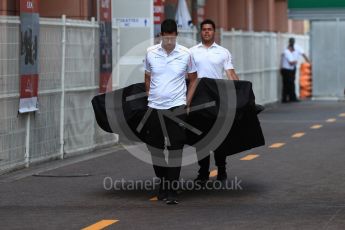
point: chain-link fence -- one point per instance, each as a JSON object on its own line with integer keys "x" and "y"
{"x": 257, "y": 58}
{"x": 188, "y": 38}
{"x": 69, "y": 78}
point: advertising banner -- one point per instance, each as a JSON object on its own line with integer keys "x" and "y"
{"x": 158, "y": 11}
{"x": 105, "y": 44}
{"x": 29, "y": 55}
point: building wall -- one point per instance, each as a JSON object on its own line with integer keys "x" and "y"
{"x": 298, "y": 27}
{"x": 281, "y": 17}
{"x": 211, "y": 11}
{"x": 218, "y": 11}
{"x": 76, "y": 9}
{"x": 237, "y": 15}
{"x": 9, "y": 7}
{"x": 252, "y": 15}
{"x": 261, "y": 15}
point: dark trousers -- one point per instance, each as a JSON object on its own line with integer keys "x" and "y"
{"x": 174, "y": 140}
{"x": 204, "y": 163}
{"x": 288, "y": 85}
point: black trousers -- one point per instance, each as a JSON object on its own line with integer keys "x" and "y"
{"x": 163, "y": 131}
{"x": 204, "y": 163}
{"x": 288, "y": 85}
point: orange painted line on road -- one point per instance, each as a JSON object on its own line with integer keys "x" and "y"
{"x": 154, "y": 198}
{"x": 101, "y": 225}
{"x": 342, "y": 115}
{"x": 213, "y": 173}
{"x": 298, "y": 135}
{"x": 331, "y": 120}
{"x": 316, "y": 127}
{"x": 249, "y": 157}
{"x": 276, "y": 145}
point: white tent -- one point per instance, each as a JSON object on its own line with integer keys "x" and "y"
{"x": 183, "y": 18}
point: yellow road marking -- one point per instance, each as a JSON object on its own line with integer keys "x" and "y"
{"x": 154, "y": 198}
{"x": 213, "y": 173}
{"x": 100, "y": 225}
{"x": 331, "y": 120}
{"x": 249, "y": 157}
{"x": 316, "y": 127}
{"x": 276, "y": 145}
{"x": 342, "y": 115}
{"x": 298, "y": 135}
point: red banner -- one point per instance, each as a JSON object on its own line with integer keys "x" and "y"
{"x": 29, "y": 6}
{"x": 158, "y": 11}
{"x": 105, "y": 83}
{"x": 29, "y": 55}
{"x": 105, "y": 10}
{"x": 29, "y": 86}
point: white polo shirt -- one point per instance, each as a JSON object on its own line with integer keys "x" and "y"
{"x": 168, "y": 82}
{"x": 211, "y": 62}
{"x": 287, "y": 57}
{"x": 299, "y": 49}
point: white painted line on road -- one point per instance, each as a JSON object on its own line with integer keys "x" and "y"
{"x": 213, "y": 173}
{"x": 331, "y": 120}
{"x": 298, "y": 135}
{"x": 101, "y": 225}
{"x": 316, "y": 127}
{"x": 249, "y": 157}
{"x": 276, "y": 145}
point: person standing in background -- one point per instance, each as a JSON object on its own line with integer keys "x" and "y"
{"x": 289, "y": 62}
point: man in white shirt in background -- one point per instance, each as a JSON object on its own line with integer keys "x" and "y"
{"x": 166, "y": 66}
{"x": 212, "y": 60}
{"x": 289, "y": 62}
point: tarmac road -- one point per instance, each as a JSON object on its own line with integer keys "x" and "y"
{"x": 296, "y": 181}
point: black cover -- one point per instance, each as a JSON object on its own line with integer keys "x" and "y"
{"x": 125, "y": 107}
{"x": 244, "y": 134}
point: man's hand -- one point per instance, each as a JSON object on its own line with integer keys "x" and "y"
{"x": 147, "y": 82}
{"x": 306, "y": 58}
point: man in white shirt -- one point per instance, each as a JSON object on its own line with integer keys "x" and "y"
{"x": 166, "y": 66}
{"x": 290, "y": 58}
{"x": 299, "y": 51}
{"x": 212, "y": 60}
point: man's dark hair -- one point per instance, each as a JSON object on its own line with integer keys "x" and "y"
{"x": 209, "y": 22}
{"x": 169, "y": 26}
{"x": 291, "y": 41}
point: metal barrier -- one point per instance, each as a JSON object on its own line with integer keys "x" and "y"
{"x": 257, "y": 57}
{"x": 69, "y": 78}
{"x": 328, "y": 59}
{"x": 188, "y": 38}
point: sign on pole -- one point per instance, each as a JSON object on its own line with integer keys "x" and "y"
{"x": 29, "y": 55}
{"x": 133, "y": 22}
{"x": 105, "y": 44}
